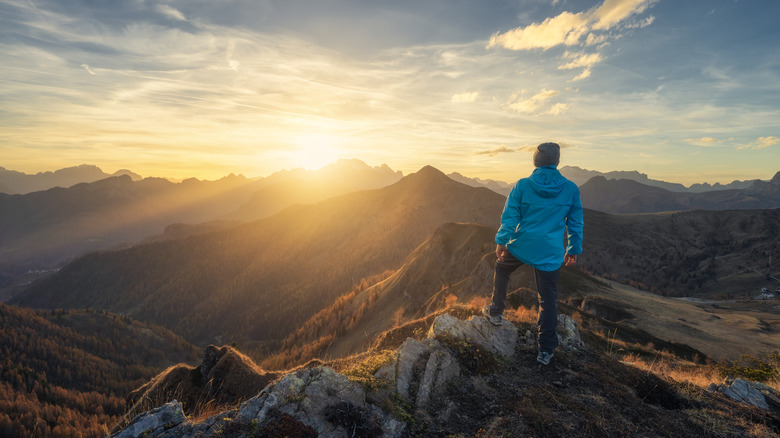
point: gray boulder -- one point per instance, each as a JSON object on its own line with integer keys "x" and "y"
{"x": 500, "y": 340}
{"x": 155, "y": 422}
{"x": 440, "y": 367}
{"x": 747, "y": 392}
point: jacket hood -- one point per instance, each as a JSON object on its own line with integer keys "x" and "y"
{"x": 547, "y": 181}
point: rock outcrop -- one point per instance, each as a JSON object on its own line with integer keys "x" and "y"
{"x": 750, "y": 393}
{"x": 320, "y": 402}
{"x": 224, "y": 377}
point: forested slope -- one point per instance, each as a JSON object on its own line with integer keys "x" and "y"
{"x": 67, "y": 373}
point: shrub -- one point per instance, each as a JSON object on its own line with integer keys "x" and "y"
{"x": 757, "y": 369}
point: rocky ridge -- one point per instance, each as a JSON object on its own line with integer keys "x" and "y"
{"x": 321, "y": 401}
{"x": 469, "y": 377}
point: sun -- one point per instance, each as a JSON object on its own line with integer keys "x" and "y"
{"x": 315, "y": 150}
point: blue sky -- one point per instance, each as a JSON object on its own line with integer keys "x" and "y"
{"x": 685, "y": 91}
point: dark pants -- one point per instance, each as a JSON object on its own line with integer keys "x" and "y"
{"x": 546, "y": 286}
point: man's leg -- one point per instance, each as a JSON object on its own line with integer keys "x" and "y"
{"x": 547, "y": 286}
{"x": 501, "y": 282}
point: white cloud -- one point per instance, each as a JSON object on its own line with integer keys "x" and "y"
{"x": 465, "y": 97}
{"x": 89, "y": 70}
{"x": 703, "y": 141}
{"x": 611, "y": 12}
{"x": 558, "y": 109}
{"x": 765, "y": 142}
{"x": 567, "y": 28}
{"x": 761, "y": 143}
{"x": 170, "y": 12}
{"x": 585, "y": 74}
{"x": 581, "y": 60}
{"x": 593, "y": 39}
{"x": 533, "y": 104}
{"x": 496, "y": 151}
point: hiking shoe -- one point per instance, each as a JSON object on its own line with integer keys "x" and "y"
{"x": 544, "y": 357}
{"x": 495, "y": 320}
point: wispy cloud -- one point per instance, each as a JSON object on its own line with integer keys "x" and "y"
{"x": 586, "y": 60}
{"x": 499, "y": 150}
{"x": 589, "y": 28}
{"x": 89, "y": 70}
{"x": 567, "y": 28}
{"x": 761, "y": 143}
{"x": 465, "y": 97}
{"x": 703, "y": 141}
{"x": 535, "y": 104}
{"x": 170, "y": 12}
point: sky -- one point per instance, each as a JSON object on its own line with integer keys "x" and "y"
{"x": 685, "y": 91}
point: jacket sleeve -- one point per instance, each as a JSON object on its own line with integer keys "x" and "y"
{"x": 574, "y": 224}
{"x": 511, "y": 216}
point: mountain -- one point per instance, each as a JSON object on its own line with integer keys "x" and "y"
{"x": 355, "y": 319}
{"x": 39, "y": 230}
{"x": 691, "y": 253}
{"x": 255, "y": 283}
{"x": 302, "y": 186}
{"x": 580, "y": 176}
{"x": 455, "y": 265}
{"x": 66, "y": 373}
{"x": 500, "y": 187}
{"x": 13, "y": 182}
{"x": 628, "y": 196}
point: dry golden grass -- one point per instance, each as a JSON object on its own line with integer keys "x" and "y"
{"x": 670, "y": 367}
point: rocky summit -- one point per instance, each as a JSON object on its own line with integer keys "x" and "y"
{"x": 467, "y": 378}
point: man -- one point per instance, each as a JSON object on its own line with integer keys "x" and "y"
{"x": 538, "y": 211}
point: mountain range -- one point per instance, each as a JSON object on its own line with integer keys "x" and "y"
{"x": 40, "y": 230}
{"x": 19, "y": 183}
{"x": 629, "y": 196}
{"x": 580, "y": 176}
{"x": 259, "y": 282}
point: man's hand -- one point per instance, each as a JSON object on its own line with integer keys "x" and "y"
{"x": 570, "y": 259}
{"x": 501, "y": 251}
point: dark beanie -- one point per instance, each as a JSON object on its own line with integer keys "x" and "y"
{"x": 547, "y": 154}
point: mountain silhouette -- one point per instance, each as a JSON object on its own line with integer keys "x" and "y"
{"x": 41, "y": 229}
{"x": 257, "y": 282}
{"x": 628, "y": 196}
{"x": 309, "y": 186}
{"x": 14, "y": 183}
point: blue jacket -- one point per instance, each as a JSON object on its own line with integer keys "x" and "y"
{"x": 538, "y": 211}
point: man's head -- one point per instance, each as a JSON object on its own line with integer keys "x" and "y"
{"x": 547, "y": 154}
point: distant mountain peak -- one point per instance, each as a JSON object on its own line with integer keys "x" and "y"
{"x": 776, "y": 179}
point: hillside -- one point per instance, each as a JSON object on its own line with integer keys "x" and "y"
{"x": 628, "y": 196}
{"x": 722, "y": 254}
{"x": 258, "y": 282}
{"x": 67, "y": 373}
{"x": 455, "y": 265}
